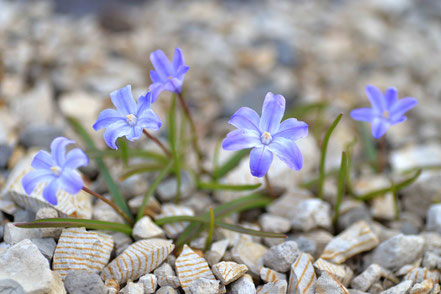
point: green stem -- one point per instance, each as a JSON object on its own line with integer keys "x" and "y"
{"x": 156, "y": 140}
{"x": 210, "y": 230}
{"x": 340, "y": 186}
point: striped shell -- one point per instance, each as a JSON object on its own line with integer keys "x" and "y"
{"x": 112, "y": 284}
{"x": 424, "y": 287}
{"x": 171, "y": 281}
{"x": 138, "y": 259}
{"x": 354, "y": 240}
{"x": 268, "y": 275}
{"x": 78, "y": 249}
{"x": 278, "y": 286}
{"x": 174, "y": 229}
{"x": 302, "y": 277}
{"x": 78, "y": 205}
{"x": 419, "y": 274}
{"x": 228, "y": 271}
{"x": 190, "y": 267}
{"x": 341, "y": 272}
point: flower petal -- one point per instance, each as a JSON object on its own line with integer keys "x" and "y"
{"x": 288, "y": 152}
{"x": 156, "y": 90}
{"x": 135, "y": 133}
{"x": 173, "y": 85}
{"x": 33, "y": 178}
{"x": 155, "y": 77}
{"x": 71, "y": 181}
{"x": 398, "y": 120}
{"x": 58, "y": 149}
{"x": 363, "y": 114}
{"x": 292, "y": 129}
{"x": 376, "y": 98}
{"x": 391, "y": 97}
{"x": 245, "y": 118}
{"x": 76, "y": 158}
{"x": 144, "y": 103}
{"x": 123, "y": 100}
{"x": 272, "y": 113}
{"x": 50, "y": 192}
{"x": 43, "y": 160}
{"x": 260, "y": 161}
{"x": 180, "y": 73}
{"x": 402, "y": 106}
{"x": 241, "y": 139}
{"x": 114, "y": 131}
{"x": 107, "y": 117}
{"x": 149, "y": 120}
{"x": 178, "y": 59}
{"x": 162, "y": 65}
{"x": 379, "y": 127}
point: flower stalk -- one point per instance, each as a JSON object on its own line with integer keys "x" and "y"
{"x": 156, "y": 140}
{"x": 269, "y": 187}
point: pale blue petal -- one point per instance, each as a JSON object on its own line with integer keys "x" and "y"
{"x": 241, "y": 139}
{"x": 245, "y": 118}
{"x": 155, "y": 77}
{"x": 260, "y": 161}
{"x": 402, "y": 106}
{"x": 292, "y": 129}
{"x": 35, "y": 177}
{"x": 43, "y": 160}
{"x": 398, "y": 120}
{"x": 134, "y": 134}
{"x": 376, "y": 98}
{"x": 149, "y": 120}
{"x": 363, "y": 114}
{"x": 178, "y": 59}
{"x": 288, "y": 152}
{"x": 391, "y": 97}
{"x": 156, "y": 90}
{"x": 144, "y": 103}
{"x": 123, "y": 100}
{"x": 379, "y": 127}
{"x": 174, "y": 85}
{"x": 114, "y": 131}
{"x": 76, "y": 158}
{"x": 106, "y": 118}
{"x": 50, "y": 192}
{"x": 162, "y": 65}
{"x": 58, "y": 149}
{"x": 272, "y": 113}
{"x": 181, "y": 72}
{"x": 71, "y": 181}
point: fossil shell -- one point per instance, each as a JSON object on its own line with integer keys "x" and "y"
{"x": 302, "y": 277}
{"x": 422, "y": 288}
{"x": 174, "y": 229}
{"x": 78, "y": 205}
{"x": 171, "y": 281}
{"x": 354, "y": 240}
{"x": 278, "y": 286}
{"x": 138, "y": 259}
{"x": 78, "y": 249}
{"x": 228, "y": 271}
{"x": 268, "y": 275}
{"x": 342, "y": 272}
{"x": 419, "y": 274}
{"x": 190, "y": 267}
{"x": 113, "y": 285}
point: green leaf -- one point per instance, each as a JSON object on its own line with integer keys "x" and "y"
{"x": 141, "y": 168}
{"x": 342, "y": 175}
{"x": 230, "y": 164}
{"x": 214, "y": 186}
{"x": 369, "y": 146}
{"x": 113, "y": 189}
{"x": 73, "y": 222}
{"x": 323, "y": 155}
{"x": 124, "y": 149}
{"x": 210, "y": 230}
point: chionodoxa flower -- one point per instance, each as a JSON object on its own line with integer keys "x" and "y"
{"x": 267, "y": 136}
{"x": 129, "y": 118}
{"x": 386, "y": 110}
{"x": 58, "y": 169}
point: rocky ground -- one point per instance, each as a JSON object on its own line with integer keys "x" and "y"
{"x": 54, "y": 65}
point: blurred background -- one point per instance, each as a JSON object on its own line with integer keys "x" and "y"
{"x": 64, "y": 57}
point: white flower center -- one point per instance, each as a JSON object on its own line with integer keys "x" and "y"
{"x": 131, "y": 119}
{"x": 266, "y": 138}
{"x": 56, "y": 170}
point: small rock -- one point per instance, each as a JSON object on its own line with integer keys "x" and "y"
{"x": 168, "y": 188}
{"x": 398, "y": 251}
{"x": 216, "y": 252}
{"x": 280, "y": 257}
{"x": 103, "y": 212}
{"x": 150, "y": 282}
{"x": 401, "y": 288}
{"x": 121, "y": 242}
{"x": 23, "y": 215}
{"x": 174, "y": 229}
{"x": 340, "y": 271}
{"x": 227, "y": 271}
{"x": 422, "y": 288}
{"x": 145, "y": 228}
{"x": 306, "y": 245}
{"x": 249, "y": 253}
{"x": 431, "y": 260}
{"x": 351, "y": 212}
{"x": 285, "y": 205}
{"x": 274, "y": 223}
{"x": 5, "y": 154}
{"x": 369, "y": 276}
{"x": 81, "y": 106}
{"x": 132, "y": 288}
{"x": 172, "y": 281}
{"x": 46, "y": 247}
{"x": 39, "y": 136}
{"x": 321, "y": 238}
{"x": 419, "y": 274}
{"x": 83, "y": 282}
{"x": 164, "y": 270}
{"x": 48, "y": 212}
{"x": 433, "y": 221}
{"x": 268, "y": 275}
{"x": 302, "y": 278}
{"x": 13, "y": 234}
{"x": 204, "y": 286}
{"x": 244, "y": 285}
{"x": 276, "y": 287}
{"x": 327, "y": 284}
{"x": 310, "y": 214}
{"x": 133, "y": 186}
{"x": 166, "y": 290}
{"x": 383, "y": 207}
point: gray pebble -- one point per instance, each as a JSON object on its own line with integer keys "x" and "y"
{"x": 280, "y": 257}
{"x": 46, "y": 246}
{"x": 39, "y": 136}
{"x": 82, "y": 282}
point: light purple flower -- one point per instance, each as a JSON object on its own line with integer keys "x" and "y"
{"x": 167, "y": 75}
{"x": 129, "y": 118}
{"x": 267, "y": 136}
{"x": 58, "y": 169}
{"x": 386, "y": 110}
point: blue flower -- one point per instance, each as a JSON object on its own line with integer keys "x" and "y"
{"x": 167, "y": 75}
{"x": 129, "y": 118}
{"x": 266, "y": 135}
{"x": 58, "y": 169}
{"x": 386, "y": 110}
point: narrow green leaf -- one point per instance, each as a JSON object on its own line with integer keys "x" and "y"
{"x": 349, "y": 149}
{"x": 395, "y": 198}
{"x": 210, "y": 230}
{"x": 342, "y": 175}
{"x": 141, "y": 168}
{"x": 113, "y": 189}
{"x": 369, "y": 146}
{"x": 124, "y": 149}
{"x": 323, "y": 155}
{"x": 230, "y": 164}
{"x": 216, "y": 186}
{"x": 243, "y": 230}
{"x": 217, "y": 149}
{"x": 172, "y": 137}
{"x": 73, "y": 222}
{"x": 422, "y": 167}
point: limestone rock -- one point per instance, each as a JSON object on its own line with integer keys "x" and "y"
{"x": 276, "y": 287}
{"x": 268, "y": 275}
{"x": 302, "y": 278}
{"x": 402, "y": 287}
{"x": 83, "y": 282}
{"x": 150, "y": 282}
{"x": 228, "y": 271}
{"x": 244, "y": 285}
{"x": 48, "y": 212}
{"x": 14, "y": 234}
{"x": 249, "y": 253}
{"x": 310, "y": 214}
{"x": 133, "y": 288}
{"x": 328, "y": 284}
{"x": 145, "y": 228}
{"x": 281, "y": 257}
{"x": 204, "y": 286}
